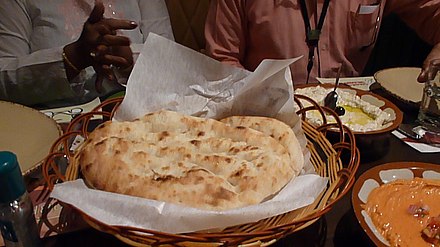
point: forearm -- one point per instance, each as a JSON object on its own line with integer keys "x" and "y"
{"x": 423, "y": 16}
{"x": 36, "y": 78}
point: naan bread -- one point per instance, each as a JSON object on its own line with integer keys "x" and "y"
{"x": 192, "y": 161}
{"x": 276, "y": 129}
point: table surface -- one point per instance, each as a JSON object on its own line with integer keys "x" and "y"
{"x": 339, "y": 227}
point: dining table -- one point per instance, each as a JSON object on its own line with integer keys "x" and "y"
{"x": 338, "y": 227}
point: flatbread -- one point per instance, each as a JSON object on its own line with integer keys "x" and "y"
{"x": 275, "y": 129}
{"x": 192, "y": 161}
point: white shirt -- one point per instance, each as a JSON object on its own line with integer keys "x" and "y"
{"x": 34, "y": 32}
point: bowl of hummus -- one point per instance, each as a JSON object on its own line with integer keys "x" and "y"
{"x": 397, "y": 204}
{"x": 361, "y": 111}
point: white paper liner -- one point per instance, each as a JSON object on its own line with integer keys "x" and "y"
{"x": 122, "y": 210}
{"x": 170, "y": 76}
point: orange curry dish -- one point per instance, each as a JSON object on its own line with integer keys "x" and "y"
{"x": 407, "y": 212}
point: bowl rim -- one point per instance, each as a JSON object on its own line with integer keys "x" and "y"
{"x": 373, "y": 173}
{"x": 387, "y": 104}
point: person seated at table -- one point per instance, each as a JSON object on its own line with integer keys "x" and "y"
{"x": 56, "y": 52}
{"x": 326, "y": 32}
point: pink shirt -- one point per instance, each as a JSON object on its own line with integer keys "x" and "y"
{"x": 243, "y": 33}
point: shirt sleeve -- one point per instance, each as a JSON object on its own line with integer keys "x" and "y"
{"x": 25, "y": 77}
{"x": 155, "y": 18}
{"x": 225, "y": 31}
{"x": 423, "y": 16}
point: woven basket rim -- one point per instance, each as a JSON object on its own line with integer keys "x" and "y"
{"x": 343, "y": 179}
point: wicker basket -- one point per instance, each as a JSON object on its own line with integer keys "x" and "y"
{"x": 325, "y": 157}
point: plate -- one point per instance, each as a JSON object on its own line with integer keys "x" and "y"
{"x": 374, "y": 99}
{"x": 401, "y": 82}
{"x": 67, "y": 113}
{"x": 28, "y": 133}
{"x": 380, "y": 175}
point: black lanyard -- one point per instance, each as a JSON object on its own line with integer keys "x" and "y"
{"x": 312, "y": 35}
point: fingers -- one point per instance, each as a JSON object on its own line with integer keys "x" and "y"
{"x": 97, "y": 12}
{"x": 423, "y": 77}
{"x": 120, "y": 24}
{"x": 99, "y": 37}
{"x": 435, "y": 62}
{"x": 101, "y": 50}
{"x": 114, "y": 40}
{"x": 102, "y": 55}
{"x": 429, "y": 70}
{"x": 109, "y": 26}
{"x": 102, "y": 29}
{"x": 115, "y": 61}
{"x": 431, "y": 61}
{"x": 104, "y": 32}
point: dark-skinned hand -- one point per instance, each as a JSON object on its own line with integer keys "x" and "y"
{"x": 100, "y": 46}
{"x": 433, "y": 56}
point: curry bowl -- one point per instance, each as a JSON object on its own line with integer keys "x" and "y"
{"x": 378, "y": 176}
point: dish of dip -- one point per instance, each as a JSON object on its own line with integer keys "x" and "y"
{"x": 397, "y": 204}
{"x": 363, "y": 112}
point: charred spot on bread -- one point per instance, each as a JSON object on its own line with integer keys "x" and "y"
{"x": 87, "y": 167}
{"x": 234, "y": 150}
{"x": 238, "y": 173}
{"x": 163, "y": 135}
{"x": 219, "y": 195}
{"x": 195, "y": 142}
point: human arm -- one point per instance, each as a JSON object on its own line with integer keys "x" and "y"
{"x": 36, "y": 77}
{"x": 99, "y": 46}
{"x": 26, "y": 77}
{"x": 225, "y": 29}
{"x": 423, "y": 16}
